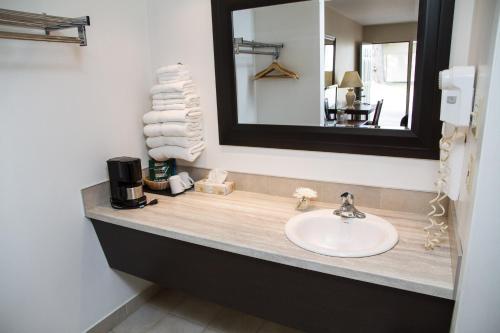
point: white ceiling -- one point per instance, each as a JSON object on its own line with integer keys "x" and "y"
{"x": 368, "y": 12}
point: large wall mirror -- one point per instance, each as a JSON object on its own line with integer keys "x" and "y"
{"x": 356, "y": 76}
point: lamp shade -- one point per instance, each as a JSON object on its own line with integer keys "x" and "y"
{"x": 351, "y": 79}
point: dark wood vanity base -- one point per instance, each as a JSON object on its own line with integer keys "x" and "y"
{"x": 307, "y": 300}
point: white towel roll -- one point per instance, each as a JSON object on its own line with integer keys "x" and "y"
{"x": 187, "y": 115}
{"x": 189, "y": 129}
{"x": 188, "y": 154}
{"x": 181, "y": 141}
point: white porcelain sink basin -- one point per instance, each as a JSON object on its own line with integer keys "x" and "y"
{"x": 323, "y": 232}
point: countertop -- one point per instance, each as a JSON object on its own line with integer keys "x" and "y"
{"x": 252, "y": 224}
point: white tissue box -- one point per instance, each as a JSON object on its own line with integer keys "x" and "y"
{"x": 222, "y": 189}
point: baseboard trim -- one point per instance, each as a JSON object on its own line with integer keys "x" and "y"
{"x": 122, "y": 312}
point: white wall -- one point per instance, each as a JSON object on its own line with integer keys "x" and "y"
{"x": 459, "y": 56}
{"x": 288, "y": 101}
{"x": 480, "y": 41}
{"x": 167, "y": 17}
{"x": 349, "y": 35}
{"x": 244, "y": 27}
{"x": 478, "y": 295}
{"x": 462, "y": 30}
{"x": 64, "y": 110}
{"x": 387, "y": 33}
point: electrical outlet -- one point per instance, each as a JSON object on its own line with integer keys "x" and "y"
{"x": 476, "y": 111}
{"x": 470, "y": 173}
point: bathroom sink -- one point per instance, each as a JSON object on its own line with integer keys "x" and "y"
{"x": 323, "y": 232}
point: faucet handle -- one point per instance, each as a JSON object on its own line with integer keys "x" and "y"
{"x": 347, "y": 208}
{"x": 347, "y": 198}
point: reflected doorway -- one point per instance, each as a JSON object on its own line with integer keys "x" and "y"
{"x": 388, "y": 73}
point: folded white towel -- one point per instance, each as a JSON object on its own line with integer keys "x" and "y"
{"x": 166, "y": 107}
{"x": 180, "y": 72}
{"x": 179, "y": 102}
{"x": 191, "y": 115}
{"x": 172, "y": 69}
{"x": 167, "y": 102}
{"x": 177, "y": 87}
{"x": 181, "y": 141}
{"x": 174, "y": 101}
{"x": 169, "y": 78}
{"x": 188, "y": 154}
{"x": 176, "y": 76}
{"x": 189, "y": 129}
{"x": 169, "y": 81}
{"x": 176, "y": 95}
{"x": 184, "y": 101}
{"x": 175, "y": 104}
{"x": 173, "y": 107}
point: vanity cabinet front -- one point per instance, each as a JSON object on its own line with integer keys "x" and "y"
{"x": 304, "y": 299}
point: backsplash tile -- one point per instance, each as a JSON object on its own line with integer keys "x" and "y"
{"x": 408, "y": 201}
{"x": 96, "y": 194}
{"x": 365, "y": 196}
{"x": 285, "y": 187}
{"x": 248, "y": 182}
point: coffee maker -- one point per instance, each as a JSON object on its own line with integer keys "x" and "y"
{"x": 125, "y": 178}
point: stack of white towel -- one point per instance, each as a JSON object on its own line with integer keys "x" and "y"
{"x": 174, "y": 125}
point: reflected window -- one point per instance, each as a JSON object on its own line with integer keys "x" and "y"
{"x": 329, "y": 61}
{"x": 387, "y": 71}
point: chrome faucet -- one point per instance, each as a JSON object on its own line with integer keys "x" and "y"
{"x": 347, "y": 208}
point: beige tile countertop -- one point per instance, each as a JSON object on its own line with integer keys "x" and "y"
{"x": 253, "y": 224}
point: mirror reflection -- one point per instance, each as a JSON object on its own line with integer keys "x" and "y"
{"x": 329, "y": 63}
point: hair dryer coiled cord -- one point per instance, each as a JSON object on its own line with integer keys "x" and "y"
{"x": 437, "y": 225}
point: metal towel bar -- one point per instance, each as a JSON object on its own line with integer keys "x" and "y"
{"x": 241, "y": 45}
{"x": 44, "y": 22}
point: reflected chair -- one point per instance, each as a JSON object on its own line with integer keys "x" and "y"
{"x": 376, "y": 115}
{"x": 404, "y": 121}
{"x": 327, "y": 111}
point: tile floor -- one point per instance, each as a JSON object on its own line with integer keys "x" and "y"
{"x": 173, "y": 312}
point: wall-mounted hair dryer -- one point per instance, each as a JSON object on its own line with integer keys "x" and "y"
{"x": 457, "y": 85}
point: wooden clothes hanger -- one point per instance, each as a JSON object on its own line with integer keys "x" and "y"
{"x": 276, "y": 67}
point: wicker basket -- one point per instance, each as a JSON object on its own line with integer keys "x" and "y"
{"x": 156, "y": 185}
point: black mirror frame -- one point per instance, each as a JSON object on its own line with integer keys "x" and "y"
{"x": 421, "y": 141}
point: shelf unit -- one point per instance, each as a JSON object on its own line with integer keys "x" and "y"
{"x": 44, "y": 22}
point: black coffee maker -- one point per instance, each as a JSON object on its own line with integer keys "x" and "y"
{"x": 125, "y": 177}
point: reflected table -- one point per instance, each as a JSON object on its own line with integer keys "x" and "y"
{"x": 348, "y": 123}
{"x": 357, "y": 111}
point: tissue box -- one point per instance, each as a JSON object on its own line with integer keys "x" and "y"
{"x": 223, "y": 189}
